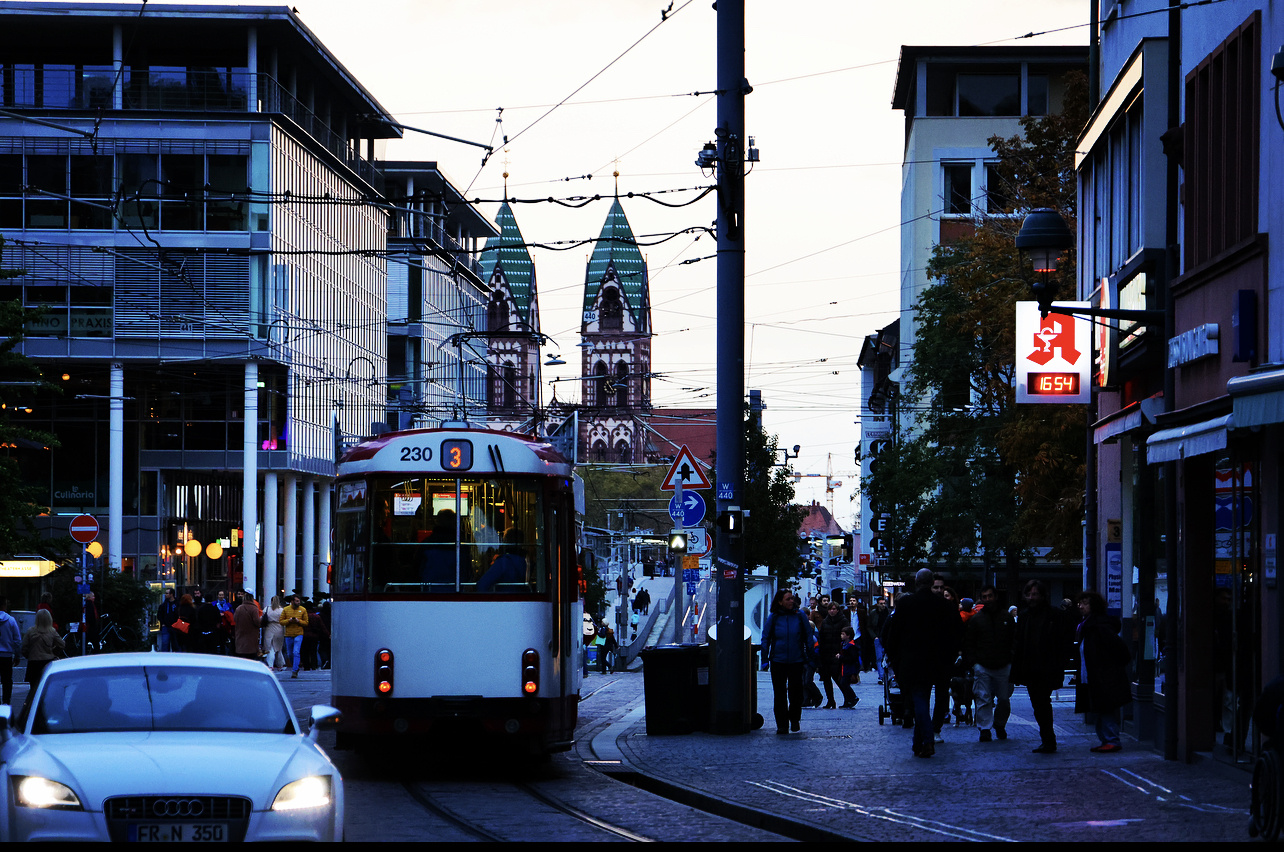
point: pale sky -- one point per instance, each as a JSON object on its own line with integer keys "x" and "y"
{"x": 823, "y": 205}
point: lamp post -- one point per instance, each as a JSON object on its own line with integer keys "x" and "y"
{"x": 1043, "y": 239}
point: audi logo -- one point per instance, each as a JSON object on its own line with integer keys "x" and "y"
{"x": 178, "y": 807}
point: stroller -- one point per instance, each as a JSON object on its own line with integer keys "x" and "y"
{"x": 961, "y": 693}
{"x": 893, "y": 706}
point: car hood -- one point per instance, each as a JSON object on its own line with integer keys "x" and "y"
{"x": 98, "y": 766}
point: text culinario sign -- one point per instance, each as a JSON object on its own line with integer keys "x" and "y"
{"x": 1053, "y": 355}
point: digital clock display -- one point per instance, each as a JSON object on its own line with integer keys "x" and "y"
{"x": 1053, "y": 384}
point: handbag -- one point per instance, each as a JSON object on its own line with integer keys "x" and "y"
{"x": 180, "y": 625}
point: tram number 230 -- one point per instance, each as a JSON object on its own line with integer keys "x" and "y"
{"x": 455, "y": 455}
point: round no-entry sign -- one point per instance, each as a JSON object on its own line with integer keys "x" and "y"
{"x": 84, "y": 528}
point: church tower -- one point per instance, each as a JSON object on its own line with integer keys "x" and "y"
{"x": 616, "y": 339}
{"x": 512, "y": 318}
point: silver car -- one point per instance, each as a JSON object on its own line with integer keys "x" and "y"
{"x": 152, "y": 747}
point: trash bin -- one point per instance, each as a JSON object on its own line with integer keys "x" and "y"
{"x": 748, "y": 672}
{"x": 676, "y": 686}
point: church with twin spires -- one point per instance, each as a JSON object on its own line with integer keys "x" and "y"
{"x": 615, "y": 341}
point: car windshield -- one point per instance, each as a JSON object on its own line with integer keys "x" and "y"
{"x": 161, "y": 698}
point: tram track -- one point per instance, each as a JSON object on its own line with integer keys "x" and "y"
{"x": 491, "y": 813}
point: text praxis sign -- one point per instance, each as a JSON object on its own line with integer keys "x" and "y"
{"x": 1053, "y": 355}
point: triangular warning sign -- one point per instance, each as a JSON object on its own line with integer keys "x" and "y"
{"x": 685, "y": 470}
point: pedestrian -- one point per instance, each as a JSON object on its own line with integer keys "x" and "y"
{"x": 166, "y": 614}
{"x": 1104, "y": 686}
{"x": 208, "y": 629}
{"x": 849, "y": 659}
{"x": 247, "y": 618}
{"x": 185, "y": 640}
{"x": 274, "y": 635}
{"x": 323, "y": 635}
{"x": 877, "y": 620}
{"x": 828, "y": 651}
{"x": 46, "y": 603}
{"x": 41, "y": 644}
{"x": 786, "y": 650}
{"x": 941, "y": 705}
{"x": 221, "y": 602}
{"x": 921, "y": 641}
{"x": 293, "y": 619}
{"x": 1038, "y": 658}
{"x": 644, "y": 601}
{"x": 89, "y": 607}
{"x": 987, "y": 649}
{"x": 10, "y": 647}
{"x": 609, "y": 648}
{"x": 313, "y": 633}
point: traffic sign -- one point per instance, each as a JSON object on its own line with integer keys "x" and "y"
{"x": 691, "y": 512}
{"x": 685, "y": 471}
{"x": 84, "y": 528}
{"x": 698, "y": 542}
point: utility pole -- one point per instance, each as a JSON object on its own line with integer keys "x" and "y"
{"x": 729, "y": 712}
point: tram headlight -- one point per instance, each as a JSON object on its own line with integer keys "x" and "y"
{"x": 383, "y": 672}
{"x": 530, "y": 671}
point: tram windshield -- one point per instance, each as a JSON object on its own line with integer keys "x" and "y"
{"x": 440, "y": 535}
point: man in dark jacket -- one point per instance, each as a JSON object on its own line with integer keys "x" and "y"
{"x": 987, "y": 649}
{"x": 921, "y": 640}
{"x": 1038, "y": 658}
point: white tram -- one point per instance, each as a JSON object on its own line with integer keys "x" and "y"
{"x": 456, "y": 589}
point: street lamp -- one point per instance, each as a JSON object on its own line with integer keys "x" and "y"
{"x": 1044, "y": 238}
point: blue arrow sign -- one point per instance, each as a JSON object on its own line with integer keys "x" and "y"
{"x": 690, "y": 513}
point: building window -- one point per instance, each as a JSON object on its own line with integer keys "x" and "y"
{"x": 989, "y": 94}
{"x": 996, "y": 198}
{"x": 612, "y": 310}
{"x": 1221, "y": 143}
{"x": 621, "y": 385}
{"x": 957, "y": 189}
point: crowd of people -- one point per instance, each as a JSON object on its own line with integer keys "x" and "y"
{"x": 290, "y": 632}
{"x": 970, "y": 653}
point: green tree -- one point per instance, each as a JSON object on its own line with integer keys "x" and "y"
{"x": 20, "y": 500}
{"x": 771, "y": 530}
{"x": 978, "y": 469}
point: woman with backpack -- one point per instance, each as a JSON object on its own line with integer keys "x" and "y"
{"x": 787, "y": 648}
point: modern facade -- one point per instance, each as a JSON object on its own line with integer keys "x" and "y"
{"x": 192, "y": 196}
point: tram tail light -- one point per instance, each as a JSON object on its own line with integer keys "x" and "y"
{"x": 383, "y": 672}
{"x": 530, "y": 671}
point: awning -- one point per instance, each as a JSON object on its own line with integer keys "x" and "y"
{"x": 1182, "y": 442}
{"x": 1126, "y": 419}
{"x": 1258, "y": 398}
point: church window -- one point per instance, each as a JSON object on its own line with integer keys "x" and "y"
{"x": 612, "y": 310}
{"x": 621, "y": 385}
{"x": 510, "y": 385}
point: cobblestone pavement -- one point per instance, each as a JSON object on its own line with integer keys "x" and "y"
{"x": 846, "y": 772}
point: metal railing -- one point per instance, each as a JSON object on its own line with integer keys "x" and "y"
{"x": 196, "y": 89}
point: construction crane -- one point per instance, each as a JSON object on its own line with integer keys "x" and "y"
{"x": 830, "y": 483}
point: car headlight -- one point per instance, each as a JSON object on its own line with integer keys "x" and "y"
{"x": 32, "y": 791}
{"x": 311, "y": 792}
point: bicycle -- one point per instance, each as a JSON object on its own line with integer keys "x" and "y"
{"x": 112, "y": 638}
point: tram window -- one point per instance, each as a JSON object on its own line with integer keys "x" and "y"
{"x": 438, "y": 535}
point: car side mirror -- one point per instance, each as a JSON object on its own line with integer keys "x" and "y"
{"x": 323, "y": 718}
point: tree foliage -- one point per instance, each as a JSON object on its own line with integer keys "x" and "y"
{"x": 771, "y": 530}
{"x": 979, "y": 470}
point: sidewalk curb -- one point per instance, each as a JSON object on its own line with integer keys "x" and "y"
{"x": 607, "y": 745}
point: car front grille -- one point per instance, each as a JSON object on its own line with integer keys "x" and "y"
{"x": 124, "y": 810}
